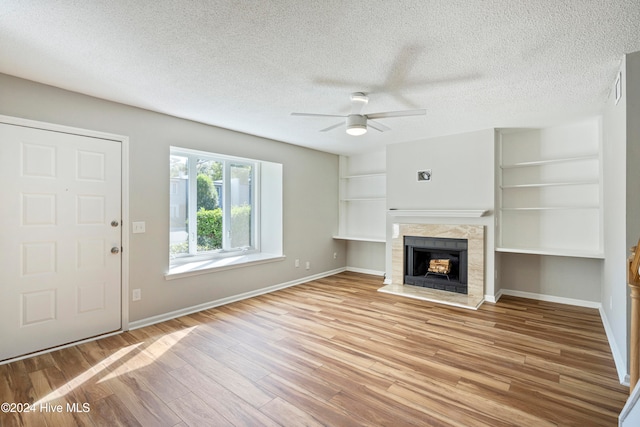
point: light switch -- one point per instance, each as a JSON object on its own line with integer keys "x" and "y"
{"x": 139, "y": 227}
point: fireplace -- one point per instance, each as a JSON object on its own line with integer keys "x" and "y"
{"x": 436, "y": 263}
{"x": 475, "y": 262}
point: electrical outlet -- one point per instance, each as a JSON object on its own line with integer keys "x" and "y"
{"x": 335, "y": 255}
{"x": 308, "y": 266}
{"x": 136, "y": 295}
{"x": 297, "y": 263}
{"x": 139, "y": 227}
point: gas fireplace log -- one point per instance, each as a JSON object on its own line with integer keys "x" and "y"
{"x": 442, "y": 266}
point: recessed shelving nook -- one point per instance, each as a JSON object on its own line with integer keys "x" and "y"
{"x": 549, "y": 195}
{"x": 362, "y": 206}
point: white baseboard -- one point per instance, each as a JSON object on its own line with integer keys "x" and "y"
{"x": 366, "y": 271}
{"x": 550, "y": 298}
{"x": 211, "y": 304}
{"x": 621, "y": 365}
{"x": 493, "y": 298}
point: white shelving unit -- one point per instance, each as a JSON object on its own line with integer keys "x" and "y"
{"x": 362, "y": 204}
{"x": 549, "y": 191}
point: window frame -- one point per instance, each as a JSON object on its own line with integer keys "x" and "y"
{"x": 193, "y": 255}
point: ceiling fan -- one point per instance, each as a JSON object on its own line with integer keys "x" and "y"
{"x": 357, "y": 122}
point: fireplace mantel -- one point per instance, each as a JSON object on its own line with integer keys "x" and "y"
{"x": 438, "y": 213}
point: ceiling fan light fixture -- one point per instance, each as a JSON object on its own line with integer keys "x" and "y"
{"x": 356, "y": 125}
{"x": 356, "y": 130}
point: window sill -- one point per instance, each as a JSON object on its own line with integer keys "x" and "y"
{"x": 219, "y": 264}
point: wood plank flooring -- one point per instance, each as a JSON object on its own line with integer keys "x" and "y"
{"x": 332, "y": 352}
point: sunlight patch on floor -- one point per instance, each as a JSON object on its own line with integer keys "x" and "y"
{"x": 86, "y": 375}
{"x": 148, "y": 354}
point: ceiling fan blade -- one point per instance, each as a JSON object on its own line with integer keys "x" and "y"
{"x": 377, "y": 126}
{"x": 332, "y": 127}
{"x": 317, "y": 115}
{"x": 388, "y": 114}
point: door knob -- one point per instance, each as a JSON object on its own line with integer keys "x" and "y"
{"x": 115, "y": 250}
{"x": 115, "y": 223}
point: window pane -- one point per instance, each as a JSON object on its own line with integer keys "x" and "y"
{"x": 241, "y": 209}
{"x": 211, "y": 205}
{"x": 178, "y": 203}
{"x": 209, "y": 175}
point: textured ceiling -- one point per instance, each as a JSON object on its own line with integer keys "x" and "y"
{"x": 246, "y": 65}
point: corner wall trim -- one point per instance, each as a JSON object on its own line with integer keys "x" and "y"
{"x": 211, "y": 304}
{"x": 493, "y": 298}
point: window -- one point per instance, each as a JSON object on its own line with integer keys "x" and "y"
{"x": 224, "y": 212}
{"x": 213, "y": 204}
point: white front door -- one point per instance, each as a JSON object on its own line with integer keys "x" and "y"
{"x": 60, "y": 244}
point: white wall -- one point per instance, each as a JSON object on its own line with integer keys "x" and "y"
{"x": 614, "y": 283}
{"x": 462, "y": 178}
{"x": 310, "y": 194}
{"x": 622, "y": 204}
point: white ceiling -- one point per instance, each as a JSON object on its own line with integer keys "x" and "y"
{"x": 246, "y": 65}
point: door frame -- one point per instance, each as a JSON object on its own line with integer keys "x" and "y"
{"x": 124, "y": 194}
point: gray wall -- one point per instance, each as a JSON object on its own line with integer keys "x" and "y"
{"x": 556, "y": 276}
{"x": 462, "y": 167}
{"x": 366, "y": 257}
{"x": 310, "y": 194}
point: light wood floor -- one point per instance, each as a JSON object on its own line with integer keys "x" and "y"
{"x": 333, "y": 352}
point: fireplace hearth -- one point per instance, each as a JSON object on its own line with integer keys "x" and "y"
{"x": 436, "y": 263}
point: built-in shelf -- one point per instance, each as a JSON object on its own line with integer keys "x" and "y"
{"x": 576, "y": 253}
{"x": 365, "y": 175}
{"x": 550, "y": 161}
{"x": 361, "y": 239}
{"x": 548, "y": 191}
{"x": 551, "y": 208}
{"x": 550, "y": 184}
{"x": 362, "y": 207}
{"x": 438, "y": 213}
{"x": 364, "y": 199}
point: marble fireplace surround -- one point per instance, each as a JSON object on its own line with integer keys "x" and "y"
{"x": 475, "y": 285}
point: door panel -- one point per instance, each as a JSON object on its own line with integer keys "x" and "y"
{"x": 59, "y": 280}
